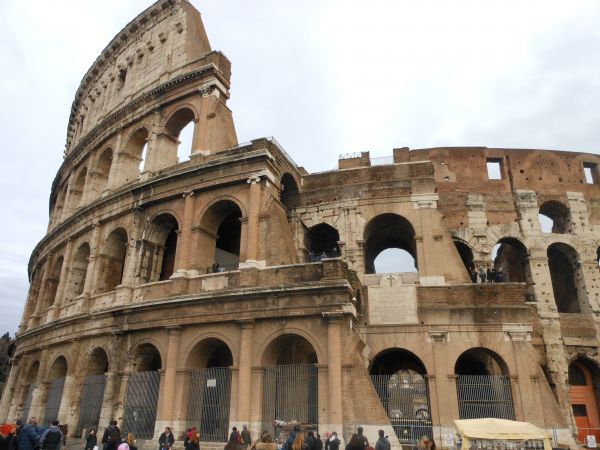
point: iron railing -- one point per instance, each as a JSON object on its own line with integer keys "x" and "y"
{"x": 405, "y": 397}
{"x": 290, "y": 394}
{"x": 53, "y": 402}
{"x": 209, "y": 401}
{"x": 319, "y": 256}
{"x": 90, "y": 406}
{"x": 481, "y": 396}
{"x": 140, "y": 404}
{"x": 27, "y": 406}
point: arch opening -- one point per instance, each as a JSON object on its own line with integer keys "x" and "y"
{"x": 221, "y": 245}
{"x": 483, "y": 385}
{"x": 59, "y": 206}
{"x": 390, "y": 239}
{"x": 567, "y": 278}
{"x": 323, "y": 242}
{"x": 102, "y": 171}
{"x": 56, "y": 376}
{"x": 180, "y": 130}
{"x": 510, "y": 261}
{"x": 399, "y": 377}
{"x": 466, "y": 256}
{"x": 141, "y": 398}
{"x": 92, "y": 391}
{"x": 112, "y": 260}
{"x": 77, "y": 198}
{"x": 78, "y": 272}
{"x": 289, "y": 195}
{"x": 584, "y": 394}
{"x": 132, "y": 164}
{"x": 555, "y": 216}
{"x": 210, "y": 389}
{"x": 52, "y": 283}
{"x": 290, "y": 381}
{"x": 158, "y": 251}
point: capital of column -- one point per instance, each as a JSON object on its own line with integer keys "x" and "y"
{"x": 334, "y": 317}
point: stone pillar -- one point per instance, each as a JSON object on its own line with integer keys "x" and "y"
{"x": 71, "y": 397}
{"x": 112, "y": 182}
{"x": 167, "y": 403}
{"x": 9, "y": 392}
{"x": 244, "y": 387}
{"x": 252, "y": 235}
{"x": 334, "y": 372}
{"x": 38, "y": 398}
{"x": 125, "y": 289}
{"x": 67, "y": 207}
{"x": 34, "y": 320}
{"x": 184, "y": 241}
{"x": 445, "y": 380}
{"x": 106, "y": 412}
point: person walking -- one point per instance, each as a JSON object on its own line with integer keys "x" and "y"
{"x": 166, "y": 440}
{"x": 310, "y": 440}
{"x": 30, "y": 436}
{"x": 318, "y": 442}
{"x": 332, "y": 442}
{"x": 246, "y": 437}
{"x": 362, "y": 437}
{"x": 91, "y": 440}
{"x": 355, "y": 443}
{"x": 382, "y": 443}
{"x": 193, "y": 442}
{"x": 111, "y": 437}
{"x": 52, "y": 438}
{"x": 482, "y": 275}
{"x": 7, "y": 437}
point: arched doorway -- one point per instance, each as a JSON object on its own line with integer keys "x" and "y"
{"x": 289, "y": 196}
{"x": 179, "y": 135}
{"x": 584, "y": 381}
{"x": 28, "y": 388}
{"x": 510, "y": 259}
{"x": 141, "y": 399}
{"x": 390, "y": 245}
{"x": 323, "y": 242}
{"x": 567, "y": 277}
{"x": 219, "y": 245}
{"x": 159, "y": 246}
{"x": 290, "y": 383}
{"x": 57, "y": 376}
{"x": 112, "y": 260}
{"x": 92, "y": 391}
{"x": 483, "y": 386}
{"x": 399, "y": 379}
{"x": 466, "y": 256}
{"x": 554, "y": 217}
{"x": 77, "y": 272}
{"x": 210, "y": 389}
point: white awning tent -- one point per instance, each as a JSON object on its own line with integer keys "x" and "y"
{"x": 499, "y": 430}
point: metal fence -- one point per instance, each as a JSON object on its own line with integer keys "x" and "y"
{"x": 405, "y": 397}
{"x": 482, "y": 396}
{"x": 209, "y": 400}
{"x": 92, "y": 395}
{"x": 140, "y": 404}
{"x": 53, "y": 402}
{"x": 290, "y": 393}
{"x": 28, "y": 399}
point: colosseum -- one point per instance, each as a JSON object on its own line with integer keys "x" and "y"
{"x": 233, "y": 287}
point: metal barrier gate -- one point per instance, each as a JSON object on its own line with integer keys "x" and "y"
{"x": 27, "y": 406}
{"x": 209, "y": 400}
{"x": 482, "y": 396}
{"x": 90, "y": 406}
{"x": 290, "y": 393}
{"x": 53, "y": 402}
{"x": 405, "y": 397}
{"x": 140, "y": 404}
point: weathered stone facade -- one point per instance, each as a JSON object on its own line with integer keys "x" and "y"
{"x": 125, "y": 280}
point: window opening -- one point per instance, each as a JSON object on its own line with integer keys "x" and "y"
{"x": 494, "y": 168}
{"x": 591, "y": 173}
{"x": 186, "y": 137}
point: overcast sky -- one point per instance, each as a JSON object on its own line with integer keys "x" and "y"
{"x": 322, "y": 77}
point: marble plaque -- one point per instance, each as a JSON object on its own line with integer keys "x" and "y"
{"x": 391, "y": 302}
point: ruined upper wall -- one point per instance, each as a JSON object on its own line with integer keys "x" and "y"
{"x": 160, "y": 44}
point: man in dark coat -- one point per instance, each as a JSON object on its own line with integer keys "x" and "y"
{"x": 310, "y": 441}
{"x": 29, "y": 437}
{"x": 246, "y": 438}
{"x": 111, "y": 437}
{"x": 166, "y": 439}
{"x": 362, "y": 438}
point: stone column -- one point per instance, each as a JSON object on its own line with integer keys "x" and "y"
{"x": 67, "y": 207}
{"x": 254, "y": 195}
{"x": 106, "y": 412}
{"x": 167, "y": 392}
{"x": 112, "y": 182}
{"x": 334, "y": 372}
{"x": 91, "y": 276}
{"x": 125, "y": 289}
{"x": 71, "y": 396}
{"x": 38, "y": 398}
{"x": 9, "y": 391}
{"x": 184, "y": 240}
{"x": 244, "y": 388}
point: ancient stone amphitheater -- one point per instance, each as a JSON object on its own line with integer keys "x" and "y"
{"x": 236, "y": 288}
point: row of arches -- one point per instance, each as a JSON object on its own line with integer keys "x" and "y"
{"x": 110, "y": 167}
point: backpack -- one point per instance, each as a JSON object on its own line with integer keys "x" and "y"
{"x": 123, "y": 446}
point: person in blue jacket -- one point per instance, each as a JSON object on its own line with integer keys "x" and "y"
{"x": 30, "y": 435}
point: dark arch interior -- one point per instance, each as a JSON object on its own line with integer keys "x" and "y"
{"x": 114, "y": 260}
{"x": 512, "y": 260}
{"x": 52, "y": 282}
{"x": 289, "y": 196}
{"x": 394, "y": 360}
{"x": 388, "y": 231}
{"x": 559, "y": 214}
{"x": 323, "y": 241}
{"x": 290, "y": 349}
{"x": 58, "y": 369}
{"x": 211, "y": 352}
{"x": 178, "y": 121}
{"x": 466, "y": 255}
{"x": 562, "y": 261}
{"x": 479, "y": 361}
{"x": 147, "y": 359}
{"x": 98, "y": 362}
